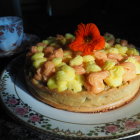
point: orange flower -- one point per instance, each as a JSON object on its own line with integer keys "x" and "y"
{"x": 87, "y": 39}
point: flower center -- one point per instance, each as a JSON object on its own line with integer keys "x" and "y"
{"x": 88, "y": 38}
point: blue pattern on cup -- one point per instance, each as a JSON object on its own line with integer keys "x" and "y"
{"x": 11, "y": 33}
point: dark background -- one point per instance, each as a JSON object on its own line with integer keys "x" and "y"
{"x": 50, "y": 17}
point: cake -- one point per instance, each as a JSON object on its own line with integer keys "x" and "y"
{"x": 85, "y": 72}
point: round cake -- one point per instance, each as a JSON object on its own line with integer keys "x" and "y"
{"x": 85, "y": 72}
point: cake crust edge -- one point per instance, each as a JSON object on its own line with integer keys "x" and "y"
{"x": 85, "y": 101}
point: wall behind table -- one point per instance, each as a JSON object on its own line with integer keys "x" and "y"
{"x": 49, "y": 17}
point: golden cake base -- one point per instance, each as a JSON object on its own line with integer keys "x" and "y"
{"x": 85, "y": 101}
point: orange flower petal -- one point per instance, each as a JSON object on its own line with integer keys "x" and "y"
{"x": 93, "y": 30}
{"x": 81, "y": 30}
{"x": 87, "y": 39}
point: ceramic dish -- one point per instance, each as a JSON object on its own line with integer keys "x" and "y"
{"x": 14, "y": 95}
{"x": 28, "y": 40}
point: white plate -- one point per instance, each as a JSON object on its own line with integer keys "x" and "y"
{"x": 118, "y": 123}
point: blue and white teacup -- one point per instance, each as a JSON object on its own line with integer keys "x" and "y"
{"x": 11, "y": 33}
